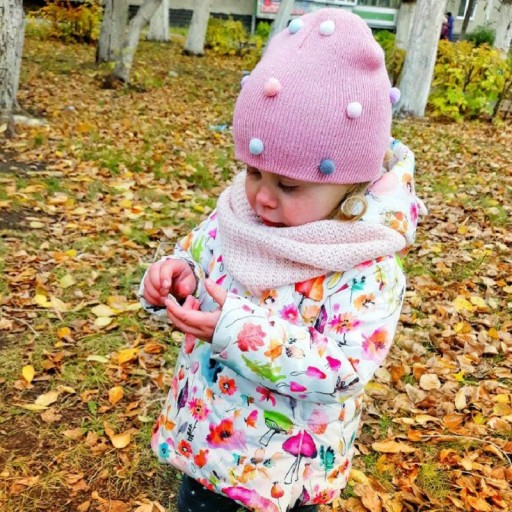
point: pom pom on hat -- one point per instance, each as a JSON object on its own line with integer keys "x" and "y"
{"x": 327, "y": 28}
{"x": 320, "y": 90}
{"x": 256, "y": 146}
{"x": 394, "y": 95}
{"x": 272, "y": 87}
{"x": 295, "y": 25}
{"x": 354, "y": 110}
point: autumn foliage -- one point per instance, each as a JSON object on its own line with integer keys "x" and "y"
{"x": 110, "y": 183}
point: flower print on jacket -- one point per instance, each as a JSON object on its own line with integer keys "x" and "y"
{"x": 227, "y": 386}
{"x": 250, "y": 337}
{"x": 198, "y": 409}
{"x": 225, "y": 436}
{"x": 375, "y": 345}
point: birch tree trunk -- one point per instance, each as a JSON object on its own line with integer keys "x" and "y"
{"x": 124, "y": 60}
{"x": 282, "y": 18}
{"x": 421, "y": 57}
{"x": 113, "y": 27}
{"x": 503, "y": 25}
{"x": 159, "y": 23}
{"x": 198, "y": 26}
{"x": 404, "y": 23}
{"x": 467, "y": 16}
{"x": 12, "y": 28}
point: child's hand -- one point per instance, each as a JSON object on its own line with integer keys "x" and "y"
{"x": 166, "y": 277}
{"x": 190, "y": 320}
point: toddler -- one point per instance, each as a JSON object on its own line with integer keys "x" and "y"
{"x": 289, "y": 293}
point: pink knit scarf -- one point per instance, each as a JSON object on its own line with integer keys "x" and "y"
{"x": 262, "y": 257}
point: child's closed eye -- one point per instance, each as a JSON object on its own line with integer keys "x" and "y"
{"x": 288, "y": 188}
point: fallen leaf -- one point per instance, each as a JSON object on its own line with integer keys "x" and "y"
{"x": 28, "y": 373}
{"x": 118, "y": 440}
{"x": 115, "y": 394}
{"x": 429, "y": 381}
{"x": 75, "y": 433}
{"x": 127, "y": 354}
{"x": 47, "y": 398}
{"x": 392, "y": 447}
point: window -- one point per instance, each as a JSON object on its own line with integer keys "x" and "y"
{"x": 463, "y": 7}
{"x": 379, "y": 3}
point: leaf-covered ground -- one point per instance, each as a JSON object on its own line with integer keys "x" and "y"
{"x": 87, "y": 201}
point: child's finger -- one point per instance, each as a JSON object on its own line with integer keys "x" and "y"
{"x": 217, "y": 293}
{"x": 191, "y": 303}
{"x": 151, "y": 294}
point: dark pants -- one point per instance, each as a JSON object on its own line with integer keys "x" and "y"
{"x": 194, "y": 497}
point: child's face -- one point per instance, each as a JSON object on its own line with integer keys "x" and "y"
{"x": 280, "y": 201}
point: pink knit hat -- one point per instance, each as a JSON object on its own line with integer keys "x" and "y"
{"x": 317, "y": 107}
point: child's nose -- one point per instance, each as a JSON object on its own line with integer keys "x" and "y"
{"x": 266, "y": 198}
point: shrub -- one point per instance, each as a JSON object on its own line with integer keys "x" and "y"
{"x": 394, "y": 56}
{"x": 69, "y": 22}
{"x": 226, "y": 37}
{"x": 481, "y": 35}
{"x": 468, "y": 81}
{"x": 37, "y": 27}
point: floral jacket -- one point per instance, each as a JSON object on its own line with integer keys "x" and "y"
{"x": 267, "y": 414}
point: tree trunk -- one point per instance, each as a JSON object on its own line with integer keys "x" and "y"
{"x": 503, "y": 26}
{"x": 282, "y": 18}
{"x": 469, "y": 10}
{"x": 125, "y": 59}
{"x": 12, "y": 28}
{"x": 198, "y": 26}
{"x": 421, "y": 57}
{"x": 159, "y": 24}
{"x": 404, "y": 23}
{"x": 113, "y": 28}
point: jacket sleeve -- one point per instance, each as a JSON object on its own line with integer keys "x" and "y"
{"x": 196, "y": 249}
{"x": 333, "y": 359}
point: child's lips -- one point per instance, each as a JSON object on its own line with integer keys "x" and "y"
{"x": 272, "y": 224}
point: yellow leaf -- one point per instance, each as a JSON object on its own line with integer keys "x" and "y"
{"x": 58, "y": 305}
{"x": 34, "y": 407}
{"x": 35, "y": 224}
{"x": 42, "y": 300}
{"x": 358, "y": 476}
{"x": 67, "y": 281}
{"x": 115, "y": 394}
{"x": 462, "y": 304}
{"x": 493, "y": 333}
{"x": 118, "y": 440}
{"x": 67, "y": 389}
{"x": 502, "y": 398}
{"x": 103, "y": 310}
{"x": 63, "y": 332}
{"x": 459, "y": 376}
{"x": 97, "y": 358}
{"x": 103, "y": 321}
{"x": 392, "y": 447}
{"x": 28, "y": 373}
{"x": 478, "y": 419}
{"x": 501, "y": 409}
{"x": 71, "y": 253}
{"x": 47, "y": 398}
{"x": 128, "y": 354}
{"x": 478, "y": 302}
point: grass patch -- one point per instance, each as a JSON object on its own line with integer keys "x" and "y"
{"x": 370, "y": 462}
{"x": 433, "y": 480}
